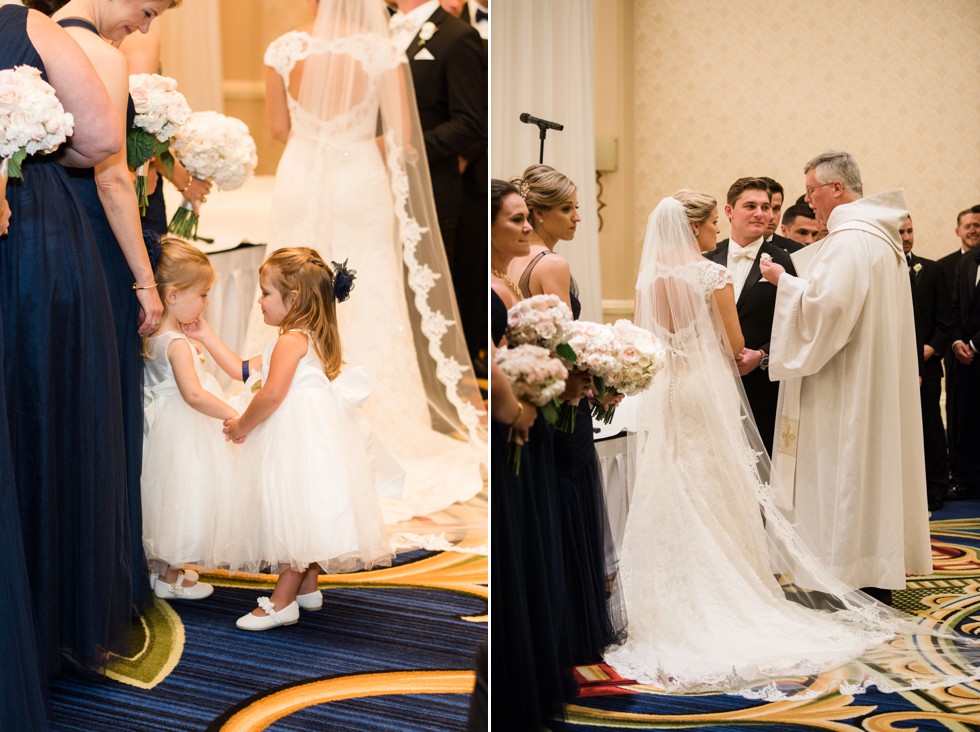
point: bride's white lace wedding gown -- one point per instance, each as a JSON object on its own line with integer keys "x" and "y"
{"x": 700, "y": 576}
{"x": 334, "y": 192}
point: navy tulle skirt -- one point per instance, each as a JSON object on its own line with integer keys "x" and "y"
{"x": 61, "y": 382}
{"x": 124, "y": 325}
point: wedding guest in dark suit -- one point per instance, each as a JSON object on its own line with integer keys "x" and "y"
{"x": 965, "y": 336}
{"x": 748, "y": 209}
{"x": 800, "y": 224}
{"x": 968, "y": 231}
{"x": 776, "y": 196}
{"x": 933, "y": 317}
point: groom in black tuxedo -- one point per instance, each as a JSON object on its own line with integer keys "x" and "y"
{"x": 749, "y": 210}
{"x": 449, "y": 72}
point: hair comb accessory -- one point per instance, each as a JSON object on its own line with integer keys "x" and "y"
{"x": 525, "y": 189}
{"x": 343, "y": 280}
{"x": 154, "y": 249}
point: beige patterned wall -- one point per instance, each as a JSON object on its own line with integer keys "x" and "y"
{"x": 722, "y": 89}
{"x": 247, "y": 27}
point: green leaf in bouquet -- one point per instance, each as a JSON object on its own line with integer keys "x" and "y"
{"x": 166, "y": 158}
{"x": 14, "y": 162}
{"x": 566, "y": 352}
{"x": 140, "y": 146}
{"x": 550, "y": 411}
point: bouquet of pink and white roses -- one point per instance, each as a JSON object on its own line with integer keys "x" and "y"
{"x": 212, "y": 147}
{"x": 535, "y": 376}
{"x": 541, "y": 320}
{"x": 621, "y": 358}
{"x": 32, "y": 119}
{"x": 160, "y": 111}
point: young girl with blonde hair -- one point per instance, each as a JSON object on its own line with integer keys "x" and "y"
{"x": 186, "y": 461}
{"x": 303, "y": 495}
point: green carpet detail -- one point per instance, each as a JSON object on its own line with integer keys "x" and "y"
{"x": 158, "y": 642}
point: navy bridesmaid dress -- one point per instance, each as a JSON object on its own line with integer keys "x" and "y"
{"x": 589, "y": 626}
{"x": 529, "y": 680}
{"x": 63, "y": 410}
{"x": 129, "y": 345}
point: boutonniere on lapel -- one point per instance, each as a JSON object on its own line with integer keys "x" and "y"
{"x": 916, "y": 268}
{"x": 426, "y": 32}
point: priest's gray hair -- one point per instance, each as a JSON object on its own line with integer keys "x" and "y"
{"x": 697, "y": 206}
{"x": 837, "y": 165}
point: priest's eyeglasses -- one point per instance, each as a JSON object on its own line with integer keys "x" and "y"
{"x": 809, "y": 191}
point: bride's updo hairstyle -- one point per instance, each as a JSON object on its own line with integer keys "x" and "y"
{"x": 697, "y": 206}
{"x": 305, "y": 283}
{"x": 542, "y": 187}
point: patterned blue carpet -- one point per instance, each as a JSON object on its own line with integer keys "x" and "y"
{"x": 391, "y": 650}
{"x": 608, "y": 702}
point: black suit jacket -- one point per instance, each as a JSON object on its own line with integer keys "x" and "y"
{"x": 756, "y": 304}
{"x": 933, "y": 313}
{"x": 787, "y": 245}
{"x": 966, "y": 301}
{"x": 451, "y": 92}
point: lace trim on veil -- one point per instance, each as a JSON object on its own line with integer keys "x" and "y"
{"x": 421, "y": 279}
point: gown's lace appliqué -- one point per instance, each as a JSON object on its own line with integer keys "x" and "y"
{"x": 704, "y": 593}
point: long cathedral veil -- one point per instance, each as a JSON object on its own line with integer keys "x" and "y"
{"x": 887, "y": 648}
{"x": 334, "y": 84}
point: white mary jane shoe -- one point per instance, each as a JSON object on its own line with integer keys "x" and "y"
{"x": 311, "y": 600}
{"x": 177, "y": 591}
{"x": 289, "y": 615}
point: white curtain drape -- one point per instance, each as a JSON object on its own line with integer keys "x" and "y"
{"x": 541, "y": 63}
{"x": 190, "y": 42}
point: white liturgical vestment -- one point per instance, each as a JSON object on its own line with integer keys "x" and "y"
{"x": 848, "y": 449}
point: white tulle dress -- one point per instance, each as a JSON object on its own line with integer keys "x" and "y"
{"x": 333, "y": 192}
{"x": 187, "y": 464}
{"x": 308, "y": 480}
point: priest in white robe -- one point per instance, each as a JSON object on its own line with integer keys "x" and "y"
{"x": 848, "y": 449}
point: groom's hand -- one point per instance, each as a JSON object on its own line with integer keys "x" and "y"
{"x": 748, "y": 361}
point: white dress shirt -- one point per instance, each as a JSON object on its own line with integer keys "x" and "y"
{"x": 483, "y": 25}
{"x": 740, "y": 262}
{"x": 405, "y": 26}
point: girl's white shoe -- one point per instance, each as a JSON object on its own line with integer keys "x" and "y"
{"x": 311, "y": 600}
{"x": 273, "y": 618}
{"x": 177, "y": 591}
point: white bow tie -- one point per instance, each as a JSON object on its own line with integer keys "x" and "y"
{"x": 741, "y": 253}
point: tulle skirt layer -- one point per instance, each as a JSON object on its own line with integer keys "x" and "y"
{"x": 293, "y": 507}
{"x": 187, "y": 474}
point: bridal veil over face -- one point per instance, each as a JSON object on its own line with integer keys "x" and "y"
{"x": 720, "y": 586}
{"x": 340, "y": 87}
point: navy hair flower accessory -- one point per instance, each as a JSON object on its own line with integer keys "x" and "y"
{"x": 154, "y": 248}
{"x": 343, "y": 280}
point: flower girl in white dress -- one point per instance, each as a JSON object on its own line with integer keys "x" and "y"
{"x": 186, "y": 460}
{"x": 309, "y": 471}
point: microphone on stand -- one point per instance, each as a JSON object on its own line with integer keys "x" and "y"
{"x": 543, "y": 126}
{"x": 542, "y": 123}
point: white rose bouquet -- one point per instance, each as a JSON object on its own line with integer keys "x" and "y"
{"x": 32, "y": 119}
{"x": 212, "y": 147}
{"x": 621, "y": 358}
{"x": 535, "y": 376}
{"x": 639, "y": 358}
{"x": 160, "y": 111}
